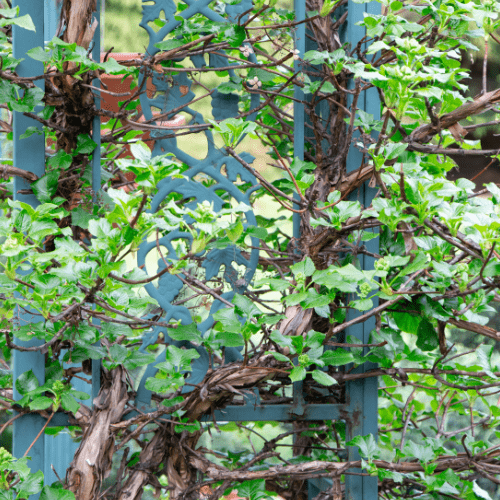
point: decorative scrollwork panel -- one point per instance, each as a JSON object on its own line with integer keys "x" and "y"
{"x": 225, "y": 175}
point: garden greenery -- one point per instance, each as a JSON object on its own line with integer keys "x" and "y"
{"x": 70, "y": 263}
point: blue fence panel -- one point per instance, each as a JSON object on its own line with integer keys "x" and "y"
{"x": 30, "y": 155}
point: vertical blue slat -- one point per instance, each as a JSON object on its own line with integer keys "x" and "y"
{"x": 362, "y": 394}
{"x": 96, "y": 164}
{"x": 51, "y": 16}
{"x": 29, "y": 154}
{"x": 60, "y": 449}
{"x": 298, "y": 152}
{"x": 298, "y": 108}
{"x": 96, "y": 125}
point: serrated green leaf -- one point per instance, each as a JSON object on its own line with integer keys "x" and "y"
{"x": 30, "y": 485}
{"x": 23, "y": 22}
{"x": 41, "y": 403}
{"x": 84, "y": 144}
{"x": 298, "y": 373}
{"x": 323, "y": 378}
{"x": 55, "y": 493}
{"x": 45, "y": 187}
{"x": 26, "y": 382}
{"x": 427, "y": 336}
{"x": 338, "y": 357}
{"x": 69, "y": 403}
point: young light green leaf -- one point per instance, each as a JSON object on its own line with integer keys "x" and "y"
{"x": 323, "y": 378}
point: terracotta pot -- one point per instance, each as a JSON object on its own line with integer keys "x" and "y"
{"x": 115, "y": 84}
{"x": 206, "y": 491}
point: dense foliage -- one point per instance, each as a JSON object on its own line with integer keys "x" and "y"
{"x": 414, "y": 259}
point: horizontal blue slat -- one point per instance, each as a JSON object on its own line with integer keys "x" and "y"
{"x": 280, "y": 413}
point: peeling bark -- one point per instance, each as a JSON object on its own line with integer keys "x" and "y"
{"x": 217, "y": 390}
{"x": 76, "y": 16}
{"x": 153, "y": 454}
{"x": 93, "y": 460}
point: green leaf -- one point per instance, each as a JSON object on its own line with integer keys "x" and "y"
{"x": 396, "y": 5}
{"x": 251, "y": 489}
{"x": 323, "y": 311}
{"x": 84, "y": 145}
{"x": 188, "y": 426}
{"x": 82, "y": 351}
{"x": 23, "y": 22}
{"x": 279, "y": 356}
{"x": 32, "y": 98}
{"x": 229, "y": 320}
{"x": 351, "y": 273}
{"x": 257, "y": 232}
{"x": 262, "y": 75}
{"x": 21, "y": 467}
{"x": 160, "y": 386}
{"x": 323, "y": 378}
{"x": 56, "y": 493}
{"x": 280, "y": 339}
{"x": 185, "y": 332}
{"x": 80, "y": 217}
{"x": 338, "y": 357}
{"x": 169, "y": 44}
{"x": 367, "y": 446}
{"x": 31, "y": 131}
{"x": 228, "y": 339}
{"x": 41, "y": 229}
{"x": 235, "y": 35}
{"x": 362, "y": 304}
{"x": 180, "y": 358}
{"x": 235, "y": 231}
{"x": 407, "y": 322}
{"x": 479, "y": 492}
{"x": 69, "y": 403}
{"x": 427, "y": 336}
{"x": 45, "y": 187}
{"x": 118, "y": 353}
{"x": 306, "y": 267}
{"x": 420, "y": 262}
{"x": 10, "y": 13}
{"x": 26, "y": 382}
{"x": 47, "y": 112}
{"x": 39, "y": 54}
{"x": 327, "y": 7}
{"x": 422, "y": 452}
{"x": 298, "y": 373}
{"x": 491, "y": 269}
{"x": 246, "y": 306}
{"x": 60, "y": 161}
{"x": 141, "y": 151}
{"x": 30, "y": 485}
{"x": 136, "y": 359}
{"x": 79, "y": 394}
{"x": 41, "y": 403}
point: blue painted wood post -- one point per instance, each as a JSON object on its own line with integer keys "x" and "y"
{"x": 96, "y": 164}
{"x": 362, "y": 394}
{"x": 29, "y": 154}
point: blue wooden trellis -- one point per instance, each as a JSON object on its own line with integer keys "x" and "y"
{"x": 360, "y": 408}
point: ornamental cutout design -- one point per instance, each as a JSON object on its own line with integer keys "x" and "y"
{"x": 171, "y": 93}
